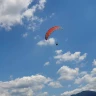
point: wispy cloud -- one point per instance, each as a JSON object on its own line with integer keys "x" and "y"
{"x": 94, "y": 62}
{"x": 37, "y": 37}
{"x": 46, "y": 63}
{"x": 25, "y": 35}
{"x": 52, "y": 15}
{"x": 43, "y": 94}
{"x": 11, "y": 77}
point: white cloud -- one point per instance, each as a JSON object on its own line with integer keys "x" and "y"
{"x": 41, "y": 4}
{"x": 50, "y": 41}
{"x": 13, "y": 12}
{"x": 88, "y": 79}
{"x": 69, "y": 57}
{"x": 46, "y": 63}
{"x": 93, "y": 72}
{"x": 94, "y": 62}
{"x": 26, "y": 86}
{"x": 35, "y": 23}
{"x": 83, "y": 73}
{"x": 67, "y": 73}
{"x": 25, "y": 35}
{"x": 58, "y": 51}
{"x": 69, "y": 93}
{"x": 91, "y": 86}
{"x": 55, "y": 84}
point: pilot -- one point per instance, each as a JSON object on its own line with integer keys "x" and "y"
{"x": 56, "y": 43}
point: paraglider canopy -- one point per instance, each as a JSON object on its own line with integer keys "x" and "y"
{"x": 51, "y": 30}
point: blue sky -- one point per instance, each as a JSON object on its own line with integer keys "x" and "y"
{"x": 31, "y": 66}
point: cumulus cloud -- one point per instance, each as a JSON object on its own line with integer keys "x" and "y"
{"x": 94, "y": 62}
{"x": 67, "y": 73}
{"x": 55, "y": 84}
{"x": 68, "y": 56}
{"x": 25, "y": 86}
{"x": 91, "y": 86}
{"x": 13, "y": 12}
{"x": 88, "y": 79}
{"x": 50, "y": 41}
{"x": 46, "y": 63}
{"x": 93, "y": 72}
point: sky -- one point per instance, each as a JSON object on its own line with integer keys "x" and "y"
{"x": 33, "y": 66}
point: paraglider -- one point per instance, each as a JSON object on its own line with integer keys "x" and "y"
{"x": 51, "y": 30}
{"x": 56, "y": 43}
